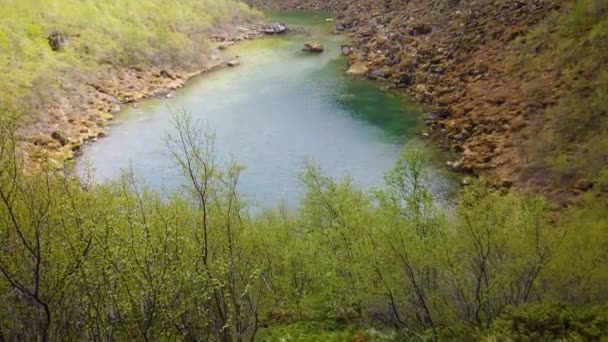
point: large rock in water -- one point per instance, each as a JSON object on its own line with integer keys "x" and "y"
{"x": 276, "y": 28}
{"x": 358, "y": 69}
{"x": 313, "y": 46}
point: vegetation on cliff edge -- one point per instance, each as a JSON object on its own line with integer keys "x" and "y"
{"x": 574, "y": 143}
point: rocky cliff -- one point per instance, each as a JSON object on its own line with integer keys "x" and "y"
{"x": 461, "y": 59}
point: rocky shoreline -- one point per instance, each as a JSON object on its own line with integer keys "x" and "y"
{"x": 80, "y": 108}
{"x": 458, "y": 59}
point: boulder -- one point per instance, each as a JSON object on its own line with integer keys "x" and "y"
{"x": 381, "y": 40}
{"x": 62, "y": 139}
{"x": 376, "y": 74}
{"x": 276, "y": 28}
{"x": 233, "y": 63}
{"x": 438, "y": 70}
{"x": 313, "y": 46}
{"x": 404, "y": 80}
{"x": 358, "y": 69}
{"x": 346, "y": 50}
{"x": 58, "y": 41}
{"x": 420, "y": 30}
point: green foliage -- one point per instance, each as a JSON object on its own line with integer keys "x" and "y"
{"x": 551, "y": 322}
{"x": 586, "y": 14}
{"x": 309, "y": 331}
{"x": 586, "y": 235}
{"x": 122, "y": 33}
{"x": 574, "y": 139}
{"x": 120, "y": 262}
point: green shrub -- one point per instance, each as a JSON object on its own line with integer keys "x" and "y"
{"x": 574, "y": 142}
{"x": 120, "y": 262}
{"x": 550, "y": 322}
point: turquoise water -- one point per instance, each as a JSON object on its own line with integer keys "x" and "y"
{"x": 280, "y": 107}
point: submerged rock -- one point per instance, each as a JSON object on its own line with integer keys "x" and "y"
{"x": 313, "y": 46}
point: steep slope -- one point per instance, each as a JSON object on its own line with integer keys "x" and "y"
{"x": 69, "y": 66}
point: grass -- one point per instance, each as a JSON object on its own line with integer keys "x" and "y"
{"x": 574, "y": 142}
{"x": 123, "y": 33}
{"x": 330, "y": 331}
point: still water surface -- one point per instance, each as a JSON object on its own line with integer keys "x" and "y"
{"x": 280, "y": 107}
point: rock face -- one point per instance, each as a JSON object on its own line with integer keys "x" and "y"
{"x": 458, "y": 58}
{"x": 358, "y": 69}
{"x": 58, "y": 41}
{"x": 314, "y": 46}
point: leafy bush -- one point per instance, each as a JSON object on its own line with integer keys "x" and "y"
{"x": 309, "y": 331}
{"x": 574, "y": 142}
{"x": 118, "y": 261}
{"x": 550, "y": 322}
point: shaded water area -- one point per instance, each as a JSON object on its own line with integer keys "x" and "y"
{"x": 280, "y": 107}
